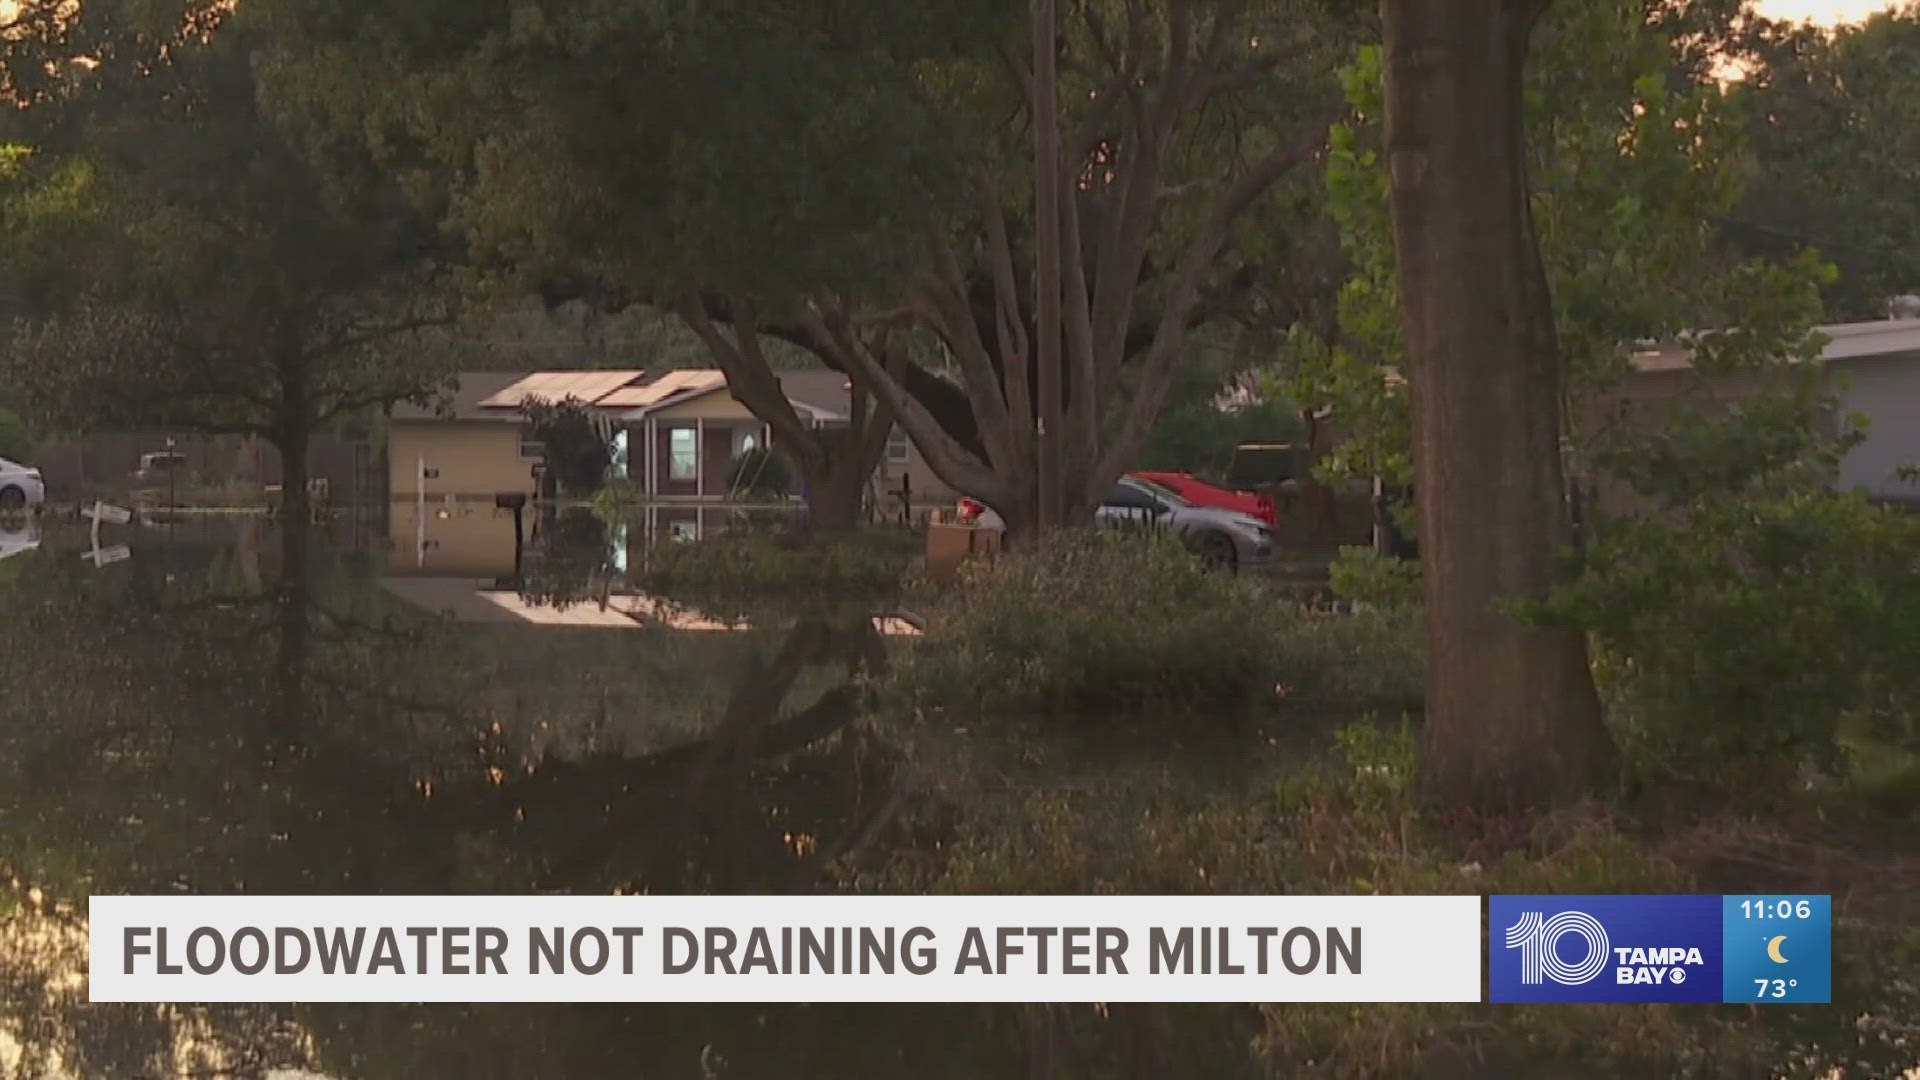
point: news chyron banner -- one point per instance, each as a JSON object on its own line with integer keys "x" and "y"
{"x": 1755, "y": 949}
{"x": 785, "y": 949}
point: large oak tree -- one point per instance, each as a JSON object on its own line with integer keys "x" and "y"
{"x": 861, "y": 180}
{"x": 1512, "y": 716}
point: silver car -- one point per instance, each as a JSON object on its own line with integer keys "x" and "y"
{"x": 20, "y": 487}
{"x": 1224, "y": 538}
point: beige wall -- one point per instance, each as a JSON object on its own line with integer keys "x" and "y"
{"x": 927, "y": 487}
{"x": 1649, "y": 397}
{"x": 474, "y": 458}
{"x": 718, "y": 405}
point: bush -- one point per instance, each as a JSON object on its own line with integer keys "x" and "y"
{"x": 1766, "y": 628}
{"x": 749, "y": 565}
{"x": 1350, "y": 822}
{"x": 760, "y": 473}
{"x": 1365, "y": 575}
{"x": 1107, "y": 623}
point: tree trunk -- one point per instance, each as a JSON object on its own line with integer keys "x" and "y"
{"x": 1512, "y": 717}
{"x": 1047, "y": 282}
{"x": 835, "y": 498}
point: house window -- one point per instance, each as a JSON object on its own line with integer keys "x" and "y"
{"x": 531, "y": 446}
{"x": 897, "y": 447}
{"x": 683, "y": 453}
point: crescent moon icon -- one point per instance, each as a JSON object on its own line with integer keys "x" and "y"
{"x": 1773, "y": 950}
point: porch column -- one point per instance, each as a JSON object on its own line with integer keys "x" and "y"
{"x": 699, "y": 460}
{"x": 653, "y": 446}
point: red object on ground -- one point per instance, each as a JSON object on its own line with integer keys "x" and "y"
{"x": 970, "y": 509}
{"x": 1201, "y": 493}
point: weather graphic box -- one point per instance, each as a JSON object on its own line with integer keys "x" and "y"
{"x": 1659, "y": 948}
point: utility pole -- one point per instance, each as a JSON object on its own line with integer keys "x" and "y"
{"x": 1046, "y": 228}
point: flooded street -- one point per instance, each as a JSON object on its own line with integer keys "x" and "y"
{"x": 228, "y": 709}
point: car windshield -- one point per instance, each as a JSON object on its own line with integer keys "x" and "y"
{"x": 1160, "y": 491}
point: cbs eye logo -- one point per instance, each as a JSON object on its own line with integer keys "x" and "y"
{"x": 1538, "y": 939}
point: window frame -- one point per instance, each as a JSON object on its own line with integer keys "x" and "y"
{"x": 692, "y": 451}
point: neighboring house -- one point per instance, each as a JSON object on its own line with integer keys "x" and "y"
{"x": 458, "y": 447}
{"x": 1873, "y": 369}
{"x": 675, "y": 435}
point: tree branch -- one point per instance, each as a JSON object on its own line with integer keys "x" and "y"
{"x": 750, "y": 378}
{"x": 1158, "y": 363}
{"x": 946, "y": 292}
{"x": 955, "y": 463}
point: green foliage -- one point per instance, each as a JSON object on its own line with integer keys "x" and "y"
{"x": 1363, "y": 574}
{"x": 1828, "y": 115}
{"x": 1630, "y": 171}
{"x": 1349, "y": 820}
{"x": 185, "y": 266}
{"x": 578, "y": 449}
{"x": 1756, "y": 629}
{"x": 1202, "y": 421}
{"x": 742, "y": 567}
{"x": 760, "y": 474}
{"x": 1100, "y": 623}
{"x": 16, "y": 441}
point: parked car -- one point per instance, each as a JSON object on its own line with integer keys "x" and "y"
{"x": 159, "y": 466}
{"x": 1200, "y": 493}
{"x": 20, "y": 486}
{"x": 1226, "y": 539}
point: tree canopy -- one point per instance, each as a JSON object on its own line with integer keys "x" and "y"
{"x": 1830, "y": 120}
{"x": 184, "y": 263}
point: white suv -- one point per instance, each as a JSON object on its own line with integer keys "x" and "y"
{"x": 20, "y": 486}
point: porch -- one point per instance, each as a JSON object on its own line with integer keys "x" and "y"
{"x": 688, "y": 458}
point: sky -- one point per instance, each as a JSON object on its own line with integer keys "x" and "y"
{"x": 1824, "y": 11}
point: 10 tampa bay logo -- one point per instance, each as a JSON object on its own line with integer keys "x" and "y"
{"x": 1605, "y": 948}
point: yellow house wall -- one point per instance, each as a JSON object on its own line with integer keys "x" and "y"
{"x": 475, "y": 458}
{"x": 718, "y": 405}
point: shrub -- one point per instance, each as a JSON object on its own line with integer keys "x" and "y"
{"x": 749, "y": 565}
{"x": 760, "y": 473}
{"x": 1349, "y": 822}
{"x": 1756, "y": 629}
{"x": 1363, "y": 574}
{"x": 1097, "y": 622}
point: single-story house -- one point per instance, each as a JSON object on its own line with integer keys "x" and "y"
{"x": 1873, "y": 369}
{"x": 675, "y": 434}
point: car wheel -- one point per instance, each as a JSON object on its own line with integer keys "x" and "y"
{"x": 1217, "y": 552}
{"x": 13, "y": 497}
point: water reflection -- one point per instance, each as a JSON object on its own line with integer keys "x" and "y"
{"x": 238, "y": 707}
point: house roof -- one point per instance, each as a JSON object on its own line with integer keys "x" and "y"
{"x": 821, "y": 394}
{"x": 827, "y": 391}
{"x": 669, "y": 384}
{"x": 498, "y": 395}
{"x": 1883, "y": 337}
{"x": 1880, "y": 338}
{"x": 463, "y": 401}
{"x": 589, "y": 387}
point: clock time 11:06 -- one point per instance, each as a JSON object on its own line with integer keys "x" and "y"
{"x": 1778, "y": 909}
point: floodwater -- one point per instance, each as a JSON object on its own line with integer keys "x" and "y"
{"x": 447, "y": 704}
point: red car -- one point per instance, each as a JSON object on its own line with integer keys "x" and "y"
{"x": 1201, "y": 493}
